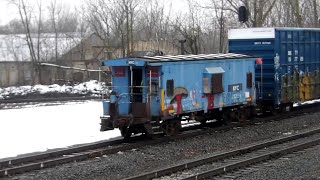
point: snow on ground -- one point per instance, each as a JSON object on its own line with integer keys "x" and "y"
{"x": 90, "y": 87}
{"x": 307, "y": 102}
{"x": 41, "y": 128}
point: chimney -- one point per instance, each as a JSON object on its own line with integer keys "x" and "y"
{"x": 182, "y": 45}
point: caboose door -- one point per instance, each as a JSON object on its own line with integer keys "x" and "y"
{"x": 137, "y": 85}
{"x": 153, "y": 79}
{"x": 137, "y": 92}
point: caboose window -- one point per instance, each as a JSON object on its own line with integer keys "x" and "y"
{"x": 217, "y": 83}
{"x": 154, "y": 72}
{"x": 119, "y": 72}
{"x": 249, "y": 80}
{"x": 154, "y": 88}
{"x": 206, "y": 85}
{"x": 170, "y": 87}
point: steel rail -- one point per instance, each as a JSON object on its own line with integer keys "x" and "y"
{"x": 11, "y": 101}
{"x": 56, "y": 153}
{"x": 225, "y": 155}
{"x": 264, "y": 157}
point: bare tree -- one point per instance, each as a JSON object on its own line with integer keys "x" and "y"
{"x": 39, "y": 37}
{"x": 315, "y": 13}
{"x": 102, "y": 16}
{"x": 129, "y": 7}
{"x": 14, "y": 26}
{"x": 296, "y": 9}
{"x": 114, "y": 20}
{"x": 220, "y": 8}
{"x": 25, "y": 16}
{"x": 259, "y": 10}
{"x": 54, "y": 11}
{"x": 190, "y": 28}
{"x": 154, "y": 24}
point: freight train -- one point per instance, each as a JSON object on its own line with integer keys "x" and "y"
{"x": 267, "y": 70}
{"x": 291, "y": 64}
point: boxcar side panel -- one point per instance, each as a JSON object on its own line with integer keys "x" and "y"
{"x": 263, "y": 48}
{"x": 290, "y": 62}
{"x": 298, "y": 71}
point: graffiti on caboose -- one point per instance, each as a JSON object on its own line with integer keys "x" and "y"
{"x": 193, "y": 95}
{"x": 179, "y": 91}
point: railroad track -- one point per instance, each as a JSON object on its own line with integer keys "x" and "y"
{"x": 219, "y": 164}
{"x": 12, "y": 166}
{"x": 14, "y": 103}
{"x": 38, "y": 100}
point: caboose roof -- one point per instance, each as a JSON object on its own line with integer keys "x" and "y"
{"x": 169, "y": 58}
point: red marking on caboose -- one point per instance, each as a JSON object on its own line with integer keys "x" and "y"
{"x": 119, "y": 72}
{"x": 210, "y": 101}
{"x": 179, "y": 103}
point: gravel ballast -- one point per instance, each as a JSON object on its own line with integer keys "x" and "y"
{"x": 145, "y": 159}
{"x": 303, "y": 165}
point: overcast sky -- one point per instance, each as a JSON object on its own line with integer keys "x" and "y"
{"x": 9, "y": 11}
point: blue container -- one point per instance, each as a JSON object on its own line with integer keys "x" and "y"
{"x": 291, "y": 61}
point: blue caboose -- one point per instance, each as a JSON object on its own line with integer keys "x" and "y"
{"x": 160, "y": 90}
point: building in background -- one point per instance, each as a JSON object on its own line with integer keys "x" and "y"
{"x": 73, "y": 51}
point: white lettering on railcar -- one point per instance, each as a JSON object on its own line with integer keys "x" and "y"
{"x": 289, "y": 69}
{"x": 301, "y": 58}
{"x": 262, "y": 43}
{"x": 276, "y": 77}
{"x": 276, "y": 61}
{"x": 236, "y": 96}
{"x": 236, "y": 88}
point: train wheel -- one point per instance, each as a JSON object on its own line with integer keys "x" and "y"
{"x": 203, "y": 123}
{"x": 226, "y": 117}
{"x": 251, "y": 113}
{"x": 148, "y": 132}
{"x": 125, "y": 132}
{"x": 171, "y": 128}
{"x": 275, "y": 111}
{"x": 241, "y": 115}
{"x": 289, "y": 108}
{"x": 235, "y": 115}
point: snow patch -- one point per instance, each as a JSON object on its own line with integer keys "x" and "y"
{"x": 92, "y": 87}
{"x": 287, "y": 133}
{"x": 37, "y": 129}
